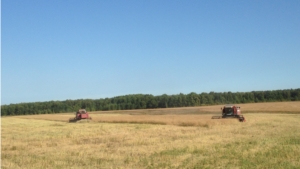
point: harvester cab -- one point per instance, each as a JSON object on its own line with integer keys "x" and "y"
{"x": 230, "y": 111}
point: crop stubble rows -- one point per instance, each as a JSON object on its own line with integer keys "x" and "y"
{"x": 186, "y": 141}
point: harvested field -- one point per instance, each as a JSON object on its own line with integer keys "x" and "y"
{"x": 190, "y": 116}
{"x": 171, "y": 138}
{"x": 180, "y": 120}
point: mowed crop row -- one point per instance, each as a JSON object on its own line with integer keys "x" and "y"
{"x": 180, "y": 120}
{"x": 188, "y": 116}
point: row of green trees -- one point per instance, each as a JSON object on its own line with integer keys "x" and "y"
{"x": 145, "y": 101}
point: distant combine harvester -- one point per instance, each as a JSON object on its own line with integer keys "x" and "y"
{"x": 231, "y": 111}
{"x": 81, "y": 115}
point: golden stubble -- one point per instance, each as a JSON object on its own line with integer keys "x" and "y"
{"x": 125, "y": 140}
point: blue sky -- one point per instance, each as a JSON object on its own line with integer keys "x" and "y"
{"x": 75, "y": 49}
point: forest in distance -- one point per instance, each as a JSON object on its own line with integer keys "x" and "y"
{"x": 148, "y": 101}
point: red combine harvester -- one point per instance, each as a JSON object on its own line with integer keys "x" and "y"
{"x": 231, "y": 111}
{"x": 81, "y": 114}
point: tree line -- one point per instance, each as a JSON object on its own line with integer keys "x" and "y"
{"x": 148, "y": 101}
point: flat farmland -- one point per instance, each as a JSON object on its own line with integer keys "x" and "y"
{"x": 156, "y": 138}
{"x": 193, "y": 116}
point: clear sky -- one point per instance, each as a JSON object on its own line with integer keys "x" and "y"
{"x": 77, "y": 49}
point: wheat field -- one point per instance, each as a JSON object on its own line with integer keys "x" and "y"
{"x": 160, "y": 138}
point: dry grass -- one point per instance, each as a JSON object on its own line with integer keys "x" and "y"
{"x": 266, "y": 140}
{"x": 188, "y": 116}
{"x": 272, "y": 107}
{"x": 179, "y": 120}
